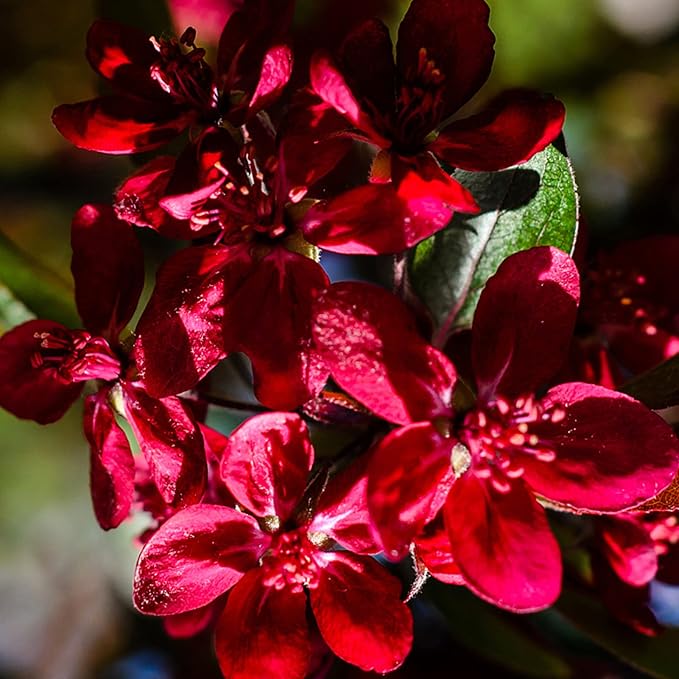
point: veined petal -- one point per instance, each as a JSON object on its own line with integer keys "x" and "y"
{"x": 171, "y": 443}
{"x": 117, "y": 124}
{"x": 524, "y": 322}
{"x": 502, "y": 544}
{"x": 274, "y": 76}
{"x": 196, "y": 555}
{"x": 612, "y": 452}
{"x": 456, "y": 38}
{"x": 263, "y": 632}
{"x": 111, "y": 463}
{"x": 360, "y": 614}
{"x": 369, "y": 341}
{"x": 512, "y": 129}
{"x": 433, "y": 548}
{"x": 108, "y": 270}
{"x": 266, "y": 463}
{"x": 409, "y": 477}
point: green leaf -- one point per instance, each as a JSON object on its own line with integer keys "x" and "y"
{"x": 490, "y": 633}
{"x": 655, "y": 656}
{"x": 535, "y": 203}
{"x": 41, "y": 290}
{"x": 659, "y": 387}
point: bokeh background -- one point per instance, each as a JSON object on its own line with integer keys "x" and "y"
{"x": 64, "y": 584}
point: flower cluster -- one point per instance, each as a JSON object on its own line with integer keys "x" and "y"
{"x": 457, "y": 457}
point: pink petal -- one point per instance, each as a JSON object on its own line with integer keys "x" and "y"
{"x": 456, "y": 37}
{"x": 612, "y": 453}
{"x": 524, "y": 322}
{"x": 502, "y": 544}
{"x": 360, "y": 614}
{"x": 180, "y": 334}
{"x": 188, "y": 624}
{"x": 111, "y": 462}
{"x": 512, "y": 129}
{"x": 273, "y": 299}
{"x": 196, "y": 555}
{"x": 267, "y": 462}
{"x": 629, "y": 549}
{"x": 207, "y": 16}
{"x": 119, "y": 124}
{"x": 28, "y": 392}
{"x": 369, "y": 340}
{"x": 274, "y": 76}
{"x": 108, "y": 269}
{"x": 171, "y": 443}
{"x": 124, "y": 55}
{"x": 342, "y": 510}
{"x": 263, "y": 632}
{"x": 433, "y": 548}
{"x": 408, "y": 479}
{"x": 389, "y": 217}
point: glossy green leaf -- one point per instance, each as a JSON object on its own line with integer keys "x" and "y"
{"x": 42, "y": 291}
{"x": 655, "y": 656}
{"x": 535, "y": 203}
{"x": 659, "y": 387}
{"x": 491, "y": 633}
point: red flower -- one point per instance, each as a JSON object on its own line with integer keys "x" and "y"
{"x": 43, "y": 367}
{"x": 252, "y": 292}
{"x": 580, "y": 446}
{"x": 443, "y": 56}
{"x": 271, "y": 561}
{"x": 631, "y": 305}
{"x": 162, "y": 87}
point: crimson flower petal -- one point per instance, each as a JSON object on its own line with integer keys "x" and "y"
{"x": 433, "y": 549}
{"x": 360, "y": 614}
{"x": 502, "y": 544}
{"x": 456, "y": 37}
{"x": 330, "y": 85}
{"x": 111, "y": 463}
{"x": 108, "y": 269}
{"x": 117, "y": 124}
{"x": 369, "y": 341}
{"x": 273, "y": 299}
{"x": 629, "y": 549}
{"x": 524, "y": 322}
{"x": 274, "y": 76}
{"x": 208, "y": 16}
{"x": 390, "y": 217}
{"x": 408, "y": 479}
{"x": 28, "y": 392}
{"x": 124, "y": 55}
{"x": 188, "y": 624}
{"x": 267, "y": 462}
{"x": 180, "y": 334}
{"x": 263, "y": 632}
{"x": 367, "y": 57}
{"x": 612, "y": 452}
{"x": 196, "y": 555}
{"x": 342, "y": 510}
{"x": 512, "y": 129}
{"x": 171, "y": 443}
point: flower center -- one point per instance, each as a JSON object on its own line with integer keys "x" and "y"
{"x": 419, "y": 107}
{"x": 184, "y": 74}
{"x": 293, "y": 562}
{"x": 664, "y": 532}
{"x": 503, "y": 432}
{"x": 74, "y": 356}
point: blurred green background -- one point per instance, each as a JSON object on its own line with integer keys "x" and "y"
{"x": 64, "y": 585}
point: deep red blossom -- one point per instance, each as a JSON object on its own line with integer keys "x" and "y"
{"x": 44, "y": 366}
{"x": 443, "y": 56}
{"x": 250, "y": 292}
{"x": 630, "y": 312}
{"x": 272, "y": 559}
{"x": 164, "y": 86}
{"x": 580, "y": 446}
